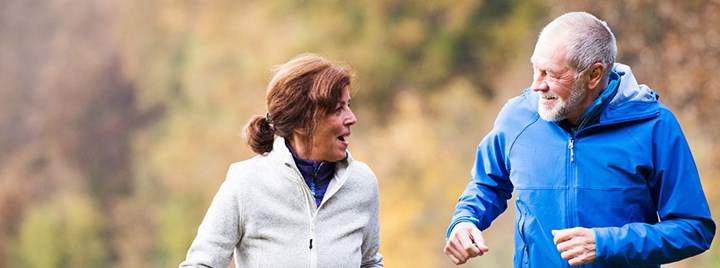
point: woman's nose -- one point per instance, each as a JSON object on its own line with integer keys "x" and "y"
{"x": 351, "y": 119}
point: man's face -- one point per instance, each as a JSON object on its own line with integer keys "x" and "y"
{"x": 562, "y": 96}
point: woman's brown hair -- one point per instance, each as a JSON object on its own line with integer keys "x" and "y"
{"x": 302, "y": 91}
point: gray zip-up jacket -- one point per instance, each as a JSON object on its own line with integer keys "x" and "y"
{"x": 266, "y": 214}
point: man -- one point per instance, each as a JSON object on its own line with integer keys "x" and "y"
{"x": 603, "y": 173}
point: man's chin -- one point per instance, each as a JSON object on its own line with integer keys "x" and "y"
{"x": 549, "y": 116}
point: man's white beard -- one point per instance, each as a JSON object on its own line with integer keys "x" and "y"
{"x": 562, "y": 107}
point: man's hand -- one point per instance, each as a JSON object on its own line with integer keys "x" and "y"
{"x": 576, "y": 245}
{"x": 465, "y": 242}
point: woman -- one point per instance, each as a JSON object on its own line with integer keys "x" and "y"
{"x": 303, "y": 201}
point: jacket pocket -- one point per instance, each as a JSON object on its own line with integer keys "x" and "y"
{"x": 520, "y": 221}
{"x": 522, "y": 256}
{"x": 522, "y": 252}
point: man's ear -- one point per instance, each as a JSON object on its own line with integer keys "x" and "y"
{"x": 594, "y": 75}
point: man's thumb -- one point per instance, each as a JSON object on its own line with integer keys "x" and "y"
{"x": 479, "y": 240}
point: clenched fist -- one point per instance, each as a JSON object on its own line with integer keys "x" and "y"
{"x": 465, "y": 242}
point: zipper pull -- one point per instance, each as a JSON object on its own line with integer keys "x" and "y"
{"x": 314, "y": 181}
{"x": 310, "y": 243}
{"x": 571, "y": 146}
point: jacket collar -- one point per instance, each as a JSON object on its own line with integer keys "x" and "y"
{"x": 591, "y": 115}
{"x": 282, "y": 154}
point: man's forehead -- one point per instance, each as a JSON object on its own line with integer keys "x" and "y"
{"x": 549, "y": 55}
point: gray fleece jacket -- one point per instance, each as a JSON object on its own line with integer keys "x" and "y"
{"x": 266, "y": 214}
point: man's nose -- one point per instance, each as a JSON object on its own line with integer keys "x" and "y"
{"x": 539, "y": 85}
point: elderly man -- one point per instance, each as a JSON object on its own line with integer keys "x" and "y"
{"x": 602, "y": 171}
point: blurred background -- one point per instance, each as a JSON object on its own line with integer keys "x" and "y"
{"x": 118, "y": 119}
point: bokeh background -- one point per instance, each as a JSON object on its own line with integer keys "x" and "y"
{"x": 118, "y": 119}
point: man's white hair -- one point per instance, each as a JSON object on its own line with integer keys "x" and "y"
{"x": 588, "y": 41}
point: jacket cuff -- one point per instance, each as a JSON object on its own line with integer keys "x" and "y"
{"x": 601, "y": 249}
{"x": 476, "y": 222}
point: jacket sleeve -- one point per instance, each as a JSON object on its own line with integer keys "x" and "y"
{"x": 371, "y": 258}
{"x": 685, "y": 228}
{"x": 485, "y": 196}
{"x": 219, "y": 231}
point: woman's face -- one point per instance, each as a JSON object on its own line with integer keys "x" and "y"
{"x": 330, "y": 138}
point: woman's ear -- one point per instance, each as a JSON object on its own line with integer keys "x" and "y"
{"x": 299, "y": 132}
{"x": 594, "y": 75}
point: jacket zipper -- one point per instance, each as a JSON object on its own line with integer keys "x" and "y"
{"x": 313, "y": 187}
{"x": 571, "y": 146}
{"x": 310, "y": 201}
{"x": 313, "y": 258}
{"x": 572, "y": 181}
{"x": 313, "y": 216}
{"x": 315, "y": 179}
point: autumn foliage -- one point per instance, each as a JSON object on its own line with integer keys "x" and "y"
{"x": 118, "y": 119}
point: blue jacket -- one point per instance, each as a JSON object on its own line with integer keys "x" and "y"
{"x": 630, "y": 177}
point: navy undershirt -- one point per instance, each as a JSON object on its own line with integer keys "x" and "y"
{"x": 317, "y": 175}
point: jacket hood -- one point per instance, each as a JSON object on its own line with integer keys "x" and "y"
{"x": 629, "y": 89}
{"x": 632, "y": 100}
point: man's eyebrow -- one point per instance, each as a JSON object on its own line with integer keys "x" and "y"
{"x": 547, "y": 69}
{"x": 535, "y": 64}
